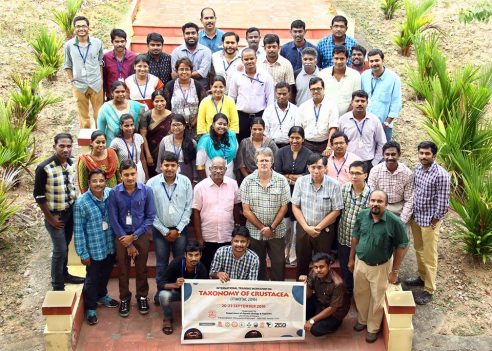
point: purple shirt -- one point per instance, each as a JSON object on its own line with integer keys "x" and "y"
{"x": 113, "y": 69}
{"x": 252, "y": 94}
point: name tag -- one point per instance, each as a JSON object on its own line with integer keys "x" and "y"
{"x": 105, "y": 225}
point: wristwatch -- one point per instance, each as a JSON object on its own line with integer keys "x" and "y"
{"x": 135, "y": 237}
{"x": 386, "y": 124}
{"x": 311, "y": 321}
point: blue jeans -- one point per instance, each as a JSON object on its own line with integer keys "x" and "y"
{"x": 96, "y": 281}
{"x": 165, "y": 299}
{"x": 60, "y": 238}
{"x": 343, "y": 257}
{"x": 389, "y": 133}
{"x": 163, "y": 249}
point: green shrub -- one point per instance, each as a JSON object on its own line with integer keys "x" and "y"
{"x": 481, "y": 13}
{"x": 47, "y": 50}
{"x": 64, "y": 18}
{"x": 389, "y": 7}
{"x": 7, "y": 210}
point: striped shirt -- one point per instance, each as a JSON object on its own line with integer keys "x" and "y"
{"x": 244, "y": 268}
{"x": 281, "y": 70}
{"x": 352, "y": 205}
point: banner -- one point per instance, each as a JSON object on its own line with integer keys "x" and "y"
{"x": 242, "y": 311}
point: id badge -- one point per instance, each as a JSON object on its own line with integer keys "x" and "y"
{"x": 128, "y": 219}
{"x": 187, "y": 111}
{"x": 172, "y": 210}
{"x": 83, "y": 71}
{"x": 121, "y": 79}
{"x": 105, "y": 225}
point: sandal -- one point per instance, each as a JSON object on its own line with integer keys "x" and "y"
{"x": 167, "y": 327}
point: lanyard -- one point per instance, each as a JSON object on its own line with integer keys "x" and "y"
{"x": 119, "y": 65}
{"x": 338, "y": 170}
{"x": 179, "y": 150}
{"x": 223, "y": 149}
{"x": 361, "y": 129}
{"x": 373, "y": 86}
{"x": 221, "y": 104}
{"x": 169, "y": 196}
{"x": 256, "y": 79}
{"x": 84, "y": 57}
{"x": 130, "y": 154}
{"x": 185, "y": 97}
{"x": 316, "y": 114}
{"x": 183, "y": 269}
{"x": 355, "y": 199}
{"x": 145, "y": 89}
{"x": 103, "y": 213}
{"x": 229, "y": 64}
{"x": 285, "y": 115}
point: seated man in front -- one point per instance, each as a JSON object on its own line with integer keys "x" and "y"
{"x": 181, "y": 268}
{"x": 327, "y": 299}
{"x": 235, "y": 261}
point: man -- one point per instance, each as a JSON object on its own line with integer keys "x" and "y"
{"x": 226, "y": 62}
{"x": 200, "y": 55}
{"x": 253, "y": 38}
{"x": 187, "y": 266}
{"x": 293, "y": 49}
{"x": 118, "y": 63}
{"x": 131, "y": 214}
{"x": 215, "y": 210}
{"x": 358, "y": 56}
{"x": 235, "y": 261}
{"x": 279, "y": 67}
{"x": 319, "y": 118}
{"x": 252, "y": 91}
{"x": 327, "y": 300}
{"x": 94, "y": 243}
{"x": 339, "y": 26}
{"x": 430, "y": 204}
{"x": 210, "y": 36}
{"x": 340, "y": 81}
{"x": 340, "y": 159}
{"x": 355, "y": 195}
{"x": 396, "y": 180}
{"x": 265, "y": 195}
{"x": 364, "y": 130}
{"x": 303, "y": 76}
{"x": 379, "y": 239}
{"x": 159, "y": 61}
{"x": 384, "y": 89}
{"x": 54, "y": 192}
{"x": 280, "y": 116}
{"x": 316, "y": 204}
{"x": 83, "y": 64}
{"x": 172, "y": 200}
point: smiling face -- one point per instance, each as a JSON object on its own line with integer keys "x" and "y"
{"x": 295, "y": 140}
{"x": 217, "y": 170}
{"x": 257, "y": 131}
{"x": 376, "y": 64}
{"x": 119, "y": 94}
{"x": 63, "y": 148}
{"x": 177, "y": 128}
{"x": 169, "y": 169}
{"x": 230, "y": 44}
{"x": 97, "y": 184}
{"x": 239, "y": 245}
{"x": 391, "y": 157}
{"x": 249, "y": 61}
{"x": 317, "y": 92}
{"x": 218, "y": 89}
{"x": 357, "y": 58}
{"x": 159, "y": 103}
{"x": 190, "y": 37}
{"x": 220, "y": 126}
{"x": 119, "y": 44}
{"x": 81, "y": 28}
{"x": 129, "y": 177}
{"x": 127, "y": 127}
{"x": 184, "y": 72}
{"x": 141, "y": 69}
{"x": 99, "y": 144}
{"x": 298, "y": 35}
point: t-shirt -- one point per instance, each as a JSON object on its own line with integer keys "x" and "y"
{"x": 177, "y": 269}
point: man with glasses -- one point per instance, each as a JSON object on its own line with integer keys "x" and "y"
{"x": 340, "y": 159}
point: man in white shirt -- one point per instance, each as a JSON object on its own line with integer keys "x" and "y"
{"x": 226, "y": 61}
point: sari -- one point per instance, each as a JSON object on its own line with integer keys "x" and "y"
{"x": 110, "y": 165}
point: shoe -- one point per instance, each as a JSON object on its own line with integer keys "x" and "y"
{"x": 124, "y": 310}
{"x": 108, "y": 302}
{"x": 91, "y": 317}
{"x": 415, "y": 281}
{"x": 167, "y": 327}
{"x": 72, "y": 279}
{"x": 371, "y": 337}
{"x": 424, "y": 298}
{"x": 156, "y": 299}
{"x": 358, "y": 327}
{"x": 143, "y": 305}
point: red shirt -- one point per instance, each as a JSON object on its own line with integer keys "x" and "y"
{"x": 112, "y": 68}
{"x": 365, "y": 66}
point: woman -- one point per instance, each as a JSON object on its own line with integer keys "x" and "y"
{"x": 218, "y": 142}
{"x": 128, "y": 145}
{"x": 142, "y": 84}
{"x": 291, "y": 161}
{"x": 108, "y": 118}
{"x": 100, "y": 157}
{"x": 217, "y": 103}
{"x": 180, "y": 142}
{"x": 184, "y": 93}
{"x": 246, "y": 156}
{"x": 155, "y": 125}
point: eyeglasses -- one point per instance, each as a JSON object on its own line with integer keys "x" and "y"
{"x": 316, "y": 89}
{"x": 81, "y": 27}
{"x": 356, "y": 174}
{"x": 177, "y": 125}
{"x": 340, "y": 143}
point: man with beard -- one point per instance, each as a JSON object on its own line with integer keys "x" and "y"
{"x": 339, "y": 25}
{"x": 379, "y": 240}
{"x": 279, "y": 67}
{"x": 303, "y": 76}
{"x": 159, "y": 62}
{"x": 358, "y": 56}
{"x": 226, "y": 62}
{"x": 210, "y": 36}
{"x": 200, "y": 55}
{"x": 293, "y": 49}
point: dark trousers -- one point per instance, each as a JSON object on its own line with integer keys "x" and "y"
{"x": 348, "y": 278}
{"x": 316, "y": 146}
{"x": 142, "y": 286}
{"x": 245, "y": 124}
{"x": 96, "y": 281}
{"x": 276, "y": 252}
{"x": 306, "y": 246}
{"x": 208, "y": 253}
{"x": 60, "y": 238}
{"x": 368, "y": 165}
{"x": 163, "y": 248}
{"x": 324, "y": 326}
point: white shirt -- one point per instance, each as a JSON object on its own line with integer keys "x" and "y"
{"x": 278, "y": 122}
{"x": 340, "y": 91}
{"x": 224, "y": 68}
{"x": 317, "y": 130}
{"x": 252, "y": 94}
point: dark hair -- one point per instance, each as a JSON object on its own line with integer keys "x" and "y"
{"x": 296, "y": 129}
{"x": 375, "y": 52}
{"x": 360, "y": 93}
{"x": 219, "y": 78}
{"x": 224, "y": 140}
{"x": 184, "y": 60}
{"x": 316, "y": 80}
{"x": 245, "y": 50}
{"x": 154, "y": 37}
{"x": 252, "y": 29}
{"x": 340, "y": 49}
{"x": 428, "y": 145}
{"x": 116, "y": 84}
{"x": 359, "y": 48}
{"x": 159, "y": 92}
{"x": 193, "y": 246}
{"x": 141, "y": 58}
{"x": 187, "y": 146}
{"x": 127, "y": 164}
{"x": 169, "y": 157}
{"x": 97, "y": 133}
{"x": 80, "y": 18}
{"x": 298, "y": 24}
{"x": 339, "y": 18}
{"x": 315, "y": 157}
{"x": 116, "y": 32}
{"x": 310, "y": 51}
{"x": 359, "y": 164}
{"x": 323, "y": 256}
{"x": 189, "y": 25}
{"x": 270, "y": 39}
{"x": 124, "y": 117}
{"x": 339, "y": 134}
{"x": 391, "y": 144}
{"x": 63, "y": 136}
{"x": 281, "y": 85}
{"x": 207, "y": 8}
{"x": 96, "y": 171}
{"x": 230, "y": 34}
{"x": 257, "y": 120}
{"x": 241, "y": 230}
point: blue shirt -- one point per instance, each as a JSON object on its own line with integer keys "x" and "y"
{"x": 172, "y": 202}
{"x": 140, "y": 205}
{"x": 384, "y": 94}
{"x": 325, "y": 50}
{"x": 90, "y": 240}
{"x": 214, "y": 44}
{"x": 293, "y": 54}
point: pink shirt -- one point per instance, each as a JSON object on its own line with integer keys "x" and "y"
{"x": 339, "y": 169}
{"x": 216, "y": 205}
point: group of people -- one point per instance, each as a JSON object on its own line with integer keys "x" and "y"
{"x": 284, "y": 152}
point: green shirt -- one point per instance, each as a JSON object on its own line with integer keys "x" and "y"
{"x": 378, "y": 240}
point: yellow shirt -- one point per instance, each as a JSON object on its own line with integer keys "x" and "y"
{"x": 207, "y": 111}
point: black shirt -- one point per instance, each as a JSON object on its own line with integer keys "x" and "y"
{"x": 162, "y": 68}
{"x": 177, "y": 269}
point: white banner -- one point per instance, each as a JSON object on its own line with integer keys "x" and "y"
{"x": 242, "y": 311}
